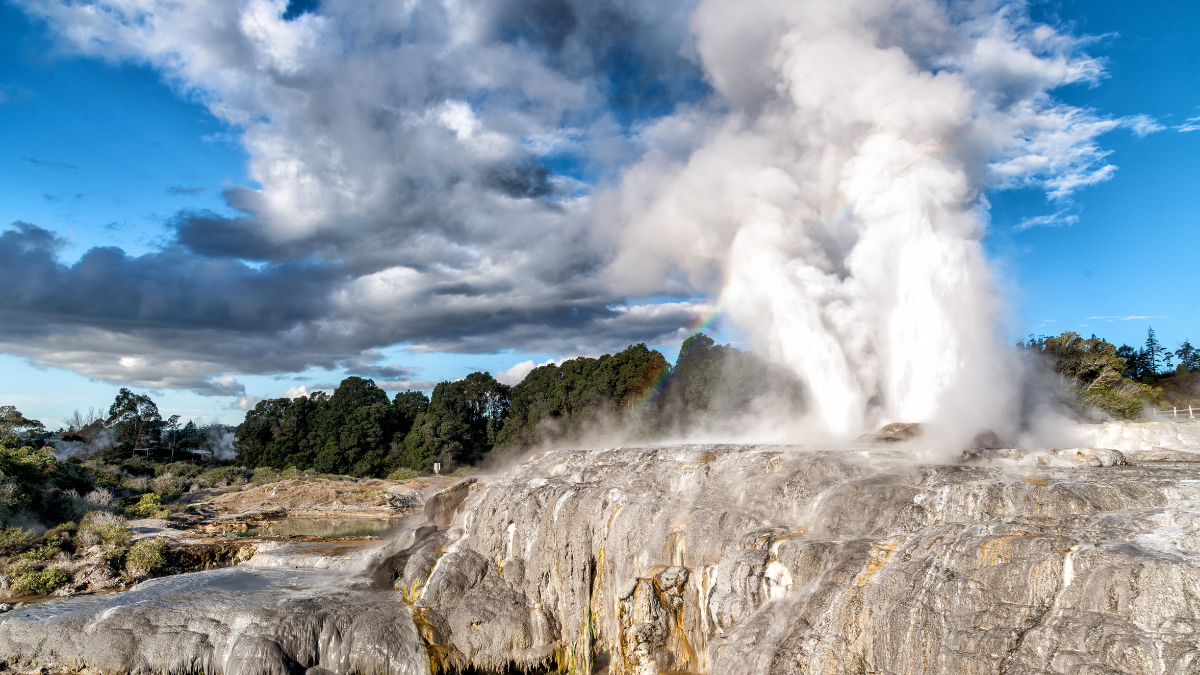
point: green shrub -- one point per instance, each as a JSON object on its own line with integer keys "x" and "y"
{"x": 463, "y": 471}
{"x": 149, "y": 506}
{"x": 115, "y": 534}
{"x": 61, "y": 529}
{"x": 178, "y": 469}
{"x": 265, "y": 474}
{"x": 40, "y": 583}
{"x": 51, "y": 546}
{"x": 15, "y": 540}
{"x": 108, "y": 527}
{"x": 403, "y": 473}
{"x": 147, "y": 555}
{"x": 228, "y": 474}
{"x": 18, "y": 566}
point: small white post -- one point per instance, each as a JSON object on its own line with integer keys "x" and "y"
{"x": 1190, "y": 415}
{"x": 1176, "y": 409}
{"x": 437, "y": 468}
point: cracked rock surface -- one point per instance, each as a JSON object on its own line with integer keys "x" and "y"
{"x": 708, "y": 559}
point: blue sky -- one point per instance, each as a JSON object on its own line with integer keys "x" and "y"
{"x": 1131, "y": 252}
{"x": 109, "y": 151}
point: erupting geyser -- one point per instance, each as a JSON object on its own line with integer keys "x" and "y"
{"x": 826, "y": 190}
{"x": 839, "y": 194}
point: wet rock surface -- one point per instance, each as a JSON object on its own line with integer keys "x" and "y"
{"x": 707, "y": 559}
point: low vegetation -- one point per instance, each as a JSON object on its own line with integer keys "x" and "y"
{"x": 147, "y": 556}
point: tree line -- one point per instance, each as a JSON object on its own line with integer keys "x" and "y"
{"x": 133, "y": 426}
{"x": 1121, "y": 381}
{"x": 359, "y": 431}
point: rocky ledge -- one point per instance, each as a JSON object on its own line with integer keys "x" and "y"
{"x": 707, "y": 559}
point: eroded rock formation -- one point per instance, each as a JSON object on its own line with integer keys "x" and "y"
{"x": 712, "y": 559}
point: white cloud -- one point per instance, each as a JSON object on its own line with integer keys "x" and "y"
{"x": 1057, "y": 219}
{"x": 514, "y": 375}
{"x": 296, "y": 391}
{"x": 245, "y": 402}
{"x": 1142, "y": 125}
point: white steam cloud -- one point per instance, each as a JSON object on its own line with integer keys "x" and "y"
{"x": 829, "y": 188}
{"x": 838, "y": 197}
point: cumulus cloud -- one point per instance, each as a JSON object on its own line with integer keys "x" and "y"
{"x": 244, "y": 402}
{"x": 296, "y": 391}
{"x": 225, "y": 386}
{"x": 514, "y": 375}
{"x": 523, "y": 175}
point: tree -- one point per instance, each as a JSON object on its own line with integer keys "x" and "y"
{"x": 137, "y": 419}
{"x": 461, "y": 424}
{"x": 173, "y": 425}
{"x": 566, "y": 400}
{"x": 1089, "y": 363}
{"x": 1095, "y": 371}
{"x": 1155, "y": 354}
{"x": 13, "y": 423}
{"x": 1188, "y": 356}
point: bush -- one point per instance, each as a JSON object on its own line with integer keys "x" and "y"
{"x": 149, "y": 506}
{"x": 265, "y": 474}
{"x": 168, "y": 487}
{"x": 15, "y": 540}
{"x": 224, "y": 474}
{"x": 179, "y": 469}
{"x": 51, "y": 546}
{"x": 403, "y": 473}
{"x": 99, "y": 498}
{"x": 147, "y": 555}
{"x": 108, "y": 527}
{"x": 463, "y": 471}
{"x": 40, "y": 583}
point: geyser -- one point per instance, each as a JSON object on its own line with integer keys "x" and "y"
{"x": 838, "y": 194}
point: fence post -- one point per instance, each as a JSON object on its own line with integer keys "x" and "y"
{"x": 1190, "y": 415}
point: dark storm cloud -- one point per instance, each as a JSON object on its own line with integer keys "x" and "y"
{"x": 110, "y": 289}
{"x": 208, "y": 234}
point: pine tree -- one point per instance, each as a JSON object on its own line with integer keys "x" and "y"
{"x": 1156, "y": 354}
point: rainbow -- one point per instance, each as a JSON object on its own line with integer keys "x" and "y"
{"x": 840, "y": 214}
{"x": 708, "y": 318}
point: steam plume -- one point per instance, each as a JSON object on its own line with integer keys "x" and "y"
{"x": 837, "y": 196}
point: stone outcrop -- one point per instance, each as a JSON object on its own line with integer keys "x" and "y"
{"x": 708, "y": 559}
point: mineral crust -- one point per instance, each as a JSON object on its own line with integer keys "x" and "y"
{"x": 709, "y": 559}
